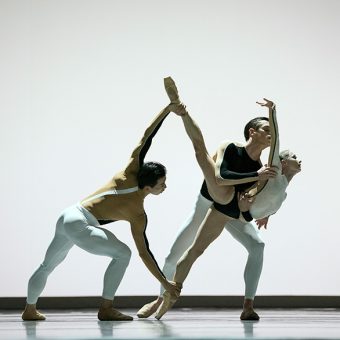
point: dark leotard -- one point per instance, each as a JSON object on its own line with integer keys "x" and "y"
{"x": 236, "y": 165}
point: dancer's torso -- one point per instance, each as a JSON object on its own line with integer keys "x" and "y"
{"x": 270, "y": 199}
{"x": 238, "y": 161}
{"x": 119, "y": 199}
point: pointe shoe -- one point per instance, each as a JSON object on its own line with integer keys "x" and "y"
{"x": 171, "y": 90}
{"x": 148, "y": 309}
{"x": 249, "y": 315}
{"x": 111, "y": 314}
{"x": 35, "y": 315}
{"x": 168, "y": 301}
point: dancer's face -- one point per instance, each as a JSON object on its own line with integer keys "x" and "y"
{"x": 262, "y": 134}
{"x": 159, "y": 187}
{"x": 292, "y": 163}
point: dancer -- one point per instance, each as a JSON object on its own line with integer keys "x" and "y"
{"x": 245, "y": 233}
{"x": 122, "y": 198}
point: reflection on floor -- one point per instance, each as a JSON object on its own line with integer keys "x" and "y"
{"x": 177, "y": 324}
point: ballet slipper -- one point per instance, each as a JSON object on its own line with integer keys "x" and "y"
{"x": 249, "y": 315}
{"x": 149, "y": 308}
{"x": 168, "y": 301}
{"x": 31, "y": 314}
{"x": 111, "y": 314}
{"x": 171, "y": 90}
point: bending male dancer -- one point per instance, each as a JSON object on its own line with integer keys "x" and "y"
{"x": 122, "y": 198}
{"x": 245, "y": 233}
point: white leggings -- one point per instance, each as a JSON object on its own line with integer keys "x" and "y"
{"x": 77, "y": 226}
{"x": 245, "y": 233}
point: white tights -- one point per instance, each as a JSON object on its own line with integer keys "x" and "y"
{"x": 77, "y": 226}
{"x": 245, "y": 233}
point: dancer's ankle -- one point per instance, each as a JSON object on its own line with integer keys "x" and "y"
{"x": 105, "y": 304}
{"x": 248, "y": 304}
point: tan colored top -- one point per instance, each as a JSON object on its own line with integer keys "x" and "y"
{"x": 121, "y": 199}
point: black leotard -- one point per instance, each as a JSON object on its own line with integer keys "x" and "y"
{"x": 236, "y": 165}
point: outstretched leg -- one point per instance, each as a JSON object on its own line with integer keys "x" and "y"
{"x": 209, "y": 230}
{"x": 220, "y": 194}
{"x": 56, "y": 253}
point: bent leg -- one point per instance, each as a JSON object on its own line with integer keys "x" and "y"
{"x": 100, "y": 241}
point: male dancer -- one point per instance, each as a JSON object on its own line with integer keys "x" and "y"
{"x": 122, "y": 198}
{"x": 245, "y": 233}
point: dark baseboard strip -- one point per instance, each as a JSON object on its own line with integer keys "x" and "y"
{"x": 7, "y": 303}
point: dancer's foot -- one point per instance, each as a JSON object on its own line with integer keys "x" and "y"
{"x": 32, "y": 314}
{"x": 111, "y": 314}
{"x": 168, "y": 301}
{"x": 150, "y": 308}
{"x": 171, "y": 90}
{"x": 249, "y": 314}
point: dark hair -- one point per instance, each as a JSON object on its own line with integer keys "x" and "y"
{"x": 149, "y": 173}
{"x": 255, "y": 123}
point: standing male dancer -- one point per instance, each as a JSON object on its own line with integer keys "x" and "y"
{"x": 122, "y": 198}
{"x": 244, "y": 232}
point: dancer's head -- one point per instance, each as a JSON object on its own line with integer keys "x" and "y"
{"x": 152, "y": 175}
{"x": 255, "y": 124}
{"x": 291, "y": 165}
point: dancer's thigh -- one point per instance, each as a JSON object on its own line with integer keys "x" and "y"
{"x": 210, "y": 229}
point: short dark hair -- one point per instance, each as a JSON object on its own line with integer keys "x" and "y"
{"x": 254, "y": 123}
{"x": 149, "y": 173}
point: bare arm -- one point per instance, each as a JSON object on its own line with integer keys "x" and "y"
{"x": 138, "y": 232}
{"x": 138, "y": 154}
{"x": 273, "y": 159}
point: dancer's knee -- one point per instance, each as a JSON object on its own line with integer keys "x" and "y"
{"x": 123, "y": 254}
{"x": 256, "y": 248}
{"x": 195, "y": 252}
{"x": 47, "y": 267}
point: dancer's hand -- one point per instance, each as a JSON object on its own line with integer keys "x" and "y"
{"x": 172, "y": 288}
{"x": 267, "y": 172}
{"x": 245, "y": 200}
{"x": 262, "y": 222}
{"x": 268, "y": 103}
{"x": 180, "y": 109}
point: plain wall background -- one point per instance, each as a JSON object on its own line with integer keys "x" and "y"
{"x": 81, "y": 80}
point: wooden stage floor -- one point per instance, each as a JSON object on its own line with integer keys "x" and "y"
{"x": 177, "y": 324}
